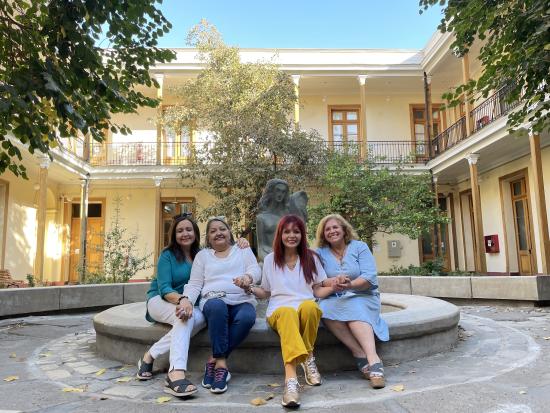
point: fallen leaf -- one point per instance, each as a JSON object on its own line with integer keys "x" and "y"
{"x": 13, "y": 355}
{"x": 124, "y": 379}
{"x": 546, "y": 338}
{"x": 73, "y": 390}
{"x": 522, "y": 392}
{"x": 100, "y": 372}
{"x": 44, "y": 355}
{"x": 11, "y": 378}
{"x": 398, "y": 387}
{"x": 412, "y": 371}
{"x": 269, "y": 396}
{"x": 163, "y": 399}
{"x": 126, "y": 366}
{"x": 274, "y": 385}
{"x": 258, "y": 401}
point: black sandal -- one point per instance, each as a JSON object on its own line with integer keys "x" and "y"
{"x": 144, "y": 367}
{"x": 174, "y": 387}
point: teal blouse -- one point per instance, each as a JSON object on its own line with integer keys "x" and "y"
{"x": 172, "y": 275}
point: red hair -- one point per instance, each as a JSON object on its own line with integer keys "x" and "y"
{"x": 307, "y": 256}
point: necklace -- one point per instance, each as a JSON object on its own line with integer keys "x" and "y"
{"x": 339, "y": 254}
{"x": 291, "y": 263}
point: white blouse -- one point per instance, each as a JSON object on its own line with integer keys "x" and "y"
{"x": 214, "y": 274}
{"x": 288, "y": 287}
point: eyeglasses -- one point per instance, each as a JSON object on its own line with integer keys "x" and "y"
{"x": 183, "y": 215}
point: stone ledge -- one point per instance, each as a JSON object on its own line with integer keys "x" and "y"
{"x": 16, "y": 301}
{"x": 420, "y": 326}
{"x": 533, "y": 288}
{"x": 443, "y": 287}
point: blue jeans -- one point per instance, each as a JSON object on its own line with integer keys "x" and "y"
{"x": 228, "y": 325}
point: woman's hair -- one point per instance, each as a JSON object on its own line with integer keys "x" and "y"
{"x": 307, "y": 256}
{"x": 174, "y": 247}
{"x": 269, "y": 190}
{"x": 209, "y": 223}
{"x": 349, "y": 232}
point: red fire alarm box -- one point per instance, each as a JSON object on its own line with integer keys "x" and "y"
{"x": 491, "y": 244}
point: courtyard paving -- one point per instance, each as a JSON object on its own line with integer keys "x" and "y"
{"x": 501, "y": 364}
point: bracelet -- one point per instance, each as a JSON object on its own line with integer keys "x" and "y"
{"x": 182, "y": 297}
{"x": 323, "y": 283}
{"x": 249, "y": 290}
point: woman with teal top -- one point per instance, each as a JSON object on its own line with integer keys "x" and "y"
{"x": 352, "y": 313}
{"x": 163, "y": 298}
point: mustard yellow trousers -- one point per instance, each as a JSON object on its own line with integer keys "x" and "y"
{"x": 297, "y": 330}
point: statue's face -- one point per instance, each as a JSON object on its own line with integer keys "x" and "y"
{"x": 280, "y": 193}
{"x": 333, "y": 231}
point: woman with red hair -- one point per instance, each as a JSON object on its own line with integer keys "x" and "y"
{"x": 292, "y": 276}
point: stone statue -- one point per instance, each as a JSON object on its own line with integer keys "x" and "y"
{"x": 275, "y": 202}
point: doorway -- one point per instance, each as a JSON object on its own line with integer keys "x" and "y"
{"x": 94, "y": 237}
{"x": 522, "y": 226}
{"x": 441, "y": 232}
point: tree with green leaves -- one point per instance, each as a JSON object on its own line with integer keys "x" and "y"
{"x": 515, "y": 38}
{"x": 375, "y": 198}
{"x": 245, "y": 109}
{"x": 67, "y": 65}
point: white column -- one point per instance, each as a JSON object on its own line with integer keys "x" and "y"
{"x": 158, "y": 183}
{"x": 363, "y": 115}
{"x": 159, "y": 77}
{"x": 41, "y": 218}
{"x": 480, "y": 262}
{"x": 296, "y": 80}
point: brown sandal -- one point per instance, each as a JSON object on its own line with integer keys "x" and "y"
{"x": 375, "y": 373}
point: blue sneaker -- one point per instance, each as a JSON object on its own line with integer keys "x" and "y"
{"x": 209, "y": 370}
{"x": 221, "y": 377}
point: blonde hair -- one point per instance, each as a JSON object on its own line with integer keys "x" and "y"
{"x": 349, "y": 232}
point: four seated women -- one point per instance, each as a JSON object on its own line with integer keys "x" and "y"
{"x": 294, "y": 277}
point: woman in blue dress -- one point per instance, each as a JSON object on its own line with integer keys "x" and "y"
{"x": 352, "y": 314}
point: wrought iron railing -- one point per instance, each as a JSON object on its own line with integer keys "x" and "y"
{"x": 493, "y": 108}
{"x": 449, "y": 137}
{"x": 143, "y": 153}
{"x": 496, "y": 106}
{"x": 385, "y": 152}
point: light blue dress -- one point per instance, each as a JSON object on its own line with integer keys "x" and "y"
{"x": 354, "y": 305}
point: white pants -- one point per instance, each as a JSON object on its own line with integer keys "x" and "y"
{"x": 177, "y": 339}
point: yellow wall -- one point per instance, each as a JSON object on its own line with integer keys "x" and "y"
{"x": 409, "y": 252}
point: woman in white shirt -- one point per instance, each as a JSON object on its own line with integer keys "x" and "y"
{"x": 292, "y": 277}
{"x": 219, "y": 273}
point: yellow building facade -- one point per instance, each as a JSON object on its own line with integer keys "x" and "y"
{"x": 372, "y": 98}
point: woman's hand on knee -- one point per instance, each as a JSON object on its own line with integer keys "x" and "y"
{"x": 184, "y": 310}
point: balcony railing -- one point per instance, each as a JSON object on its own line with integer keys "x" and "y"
{"x": 150, "y": 153}
{"x": 449, "y": 137}
{"x": 493, "y": 108}
{"x": 482, "y": 115}
{"x": 385, "y": 152}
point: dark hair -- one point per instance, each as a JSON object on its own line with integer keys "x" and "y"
{"x": 307, "y": 256}
{"x": 222, "y": 220}
{"x": 174, "y": 247}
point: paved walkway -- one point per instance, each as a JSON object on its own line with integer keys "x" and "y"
{"x": 500, "y": 365}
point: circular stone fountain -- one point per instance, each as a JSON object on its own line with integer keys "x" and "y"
{"x": 419, "y": 326}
